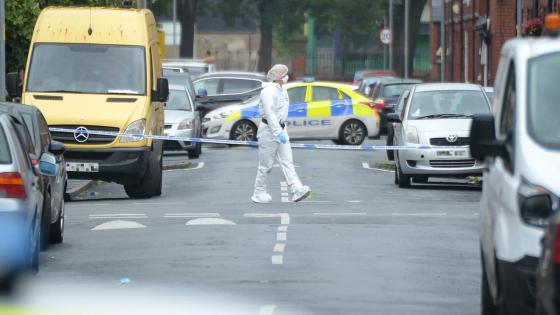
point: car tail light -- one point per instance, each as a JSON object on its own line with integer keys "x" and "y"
{"x": 379, "y": 104}
{"x": 12, "y": 185}
{"x": 367, "y": 102}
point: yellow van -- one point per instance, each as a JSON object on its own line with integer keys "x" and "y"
{"x": 99, "y": 69}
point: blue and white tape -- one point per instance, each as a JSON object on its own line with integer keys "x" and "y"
{"x": 363, "y": 147}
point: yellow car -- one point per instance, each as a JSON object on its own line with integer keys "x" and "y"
{"x": 318, "y": 111}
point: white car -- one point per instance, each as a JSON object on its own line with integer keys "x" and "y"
{"x": 318, "y": 111}
{"x": 182, "y": 120}
{"x": 521, "y": 146}
{"x": 437, "y": 115}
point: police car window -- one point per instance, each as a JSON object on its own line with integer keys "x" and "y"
{"x": 210, "y": 85}
{"x": 324, "y": 94}
{"x": 178, "y": 100}
{"x": 5, "y": 156}
{"x": 232, "y": 86}
{"x": 297, "y": 95}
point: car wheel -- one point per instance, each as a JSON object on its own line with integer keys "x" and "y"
{"x": 150, "y": 184}
{"x": 34, "y": 247}
{"x": 244, "y": 130}
{"x": 403, "y": 180}
{"x": 195, "y": 152}
{"x": 57, "y": 229}
{"x": 46, "y": 221}
{"x": 390, "y": 142}
{"x": 352, "y": 132}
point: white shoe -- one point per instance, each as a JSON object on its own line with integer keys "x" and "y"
{"x": 301, "y": 194}
{"x": 261, "y": 198}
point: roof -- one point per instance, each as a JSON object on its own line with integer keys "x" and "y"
{"x": 232, "y": 74}
{"x": 531, "y": 47}
{"x": 425, "y": 87}
{"x": 399, "y": 81}
{"x": 108, "y": 25}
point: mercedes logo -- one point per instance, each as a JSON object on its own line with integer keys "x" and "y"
{"x": 81, "y": 134}
{"x": 452, "y": 138}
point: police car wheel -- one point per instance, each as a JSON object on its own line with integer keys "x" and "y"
{"x": 244, "y": 130}
{"x": 353, "y": 132}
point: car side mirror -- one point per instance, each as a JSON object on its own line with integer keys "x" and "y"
{"x": 47, "y": 164}
{"x": 201, "y": 93}
{"x": 394, "y": 118}
{"x": 483, "y": 142}
{"x": 12, "y": 84}
{"x": 161, "y": 94}
{"x": 57, "y": 148}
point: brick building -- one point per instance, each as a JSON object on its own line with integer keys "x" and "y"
{"x": 474, "y": 33}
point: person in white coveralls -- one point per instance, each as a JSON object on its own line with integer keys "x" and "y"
{"x": 274, "y": 142}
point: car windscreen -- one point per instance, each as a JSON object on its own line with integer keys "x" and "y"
{"x": 490, "y": 96}
{"x": 87, "y": 68}
{"x": 178, "y": 100}
{"x": 394, "y": 90}
{"x": 543, "y": 96}
{"x": 447, "y": 104}
{"x": 5, "y": 156}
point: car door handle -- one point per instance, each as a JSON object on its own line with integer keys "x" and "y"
{"x": 339, "y": 105}
{"x": 300, "y": 110}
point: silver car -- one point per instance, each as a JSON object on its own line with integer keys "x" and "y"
{"x": 182, "y": 120}
{"x": 21, "y": 200}
{"x": 438, "y": 115}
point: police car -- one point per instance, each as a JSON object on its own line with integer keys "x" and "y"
{"x": 318, "y": 111}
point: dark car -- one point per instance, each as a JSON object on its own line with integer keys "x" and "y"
{"x": 548, "y": 270}
{"x": 360, "y": 75}
{"x": 367, "y": 86}
{"x": 52, "y": 187}
{"x": 218, "y": 89}
{"x": 386, "y": 94}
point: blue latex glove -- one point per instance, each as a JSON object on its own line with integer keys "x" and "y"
{"x": 283, "y": 137}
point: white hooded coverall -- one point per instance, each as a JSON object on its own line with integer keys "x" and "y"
{"x": 274, "y": 108}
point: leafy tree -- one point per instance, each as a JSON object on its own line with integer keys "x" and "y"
{"x": 416, "y": 9}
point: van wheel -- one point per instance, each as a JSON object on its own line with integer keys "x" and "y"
{"x": 195, "y": 153}
{"x": 150, "y": 184}
{"x": 46, "y": 221}
{"x": 57, "y": 229}
{"x": 352, "y": 132}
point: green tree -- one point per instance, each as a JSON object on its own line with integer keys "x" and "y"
{"x": 416, "y": 9}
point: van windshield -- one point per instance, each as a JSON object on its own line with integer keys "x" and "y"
{"x": 86, "y": 68}
{"x": 543, "y": 96}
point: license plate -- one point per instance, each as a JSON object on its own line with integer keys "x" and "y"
{"x": 82, "y": 167}
{"x": 451, "y": 153}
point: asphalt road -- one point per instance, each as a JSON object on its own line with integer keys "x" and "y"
{"x": 358, "y": 245}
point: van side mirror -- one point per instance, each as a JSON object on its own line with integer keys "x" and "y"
{"x": 394, "y": 118}
{"x": 201, "y": 93}
{"x": 56, "y": 148}
{"x": 161, "y": 94}
{"x": 12, "y": 84}
{"x": 483, "y": 142}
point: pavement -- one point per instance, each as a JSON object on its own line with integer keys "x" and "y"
{"x": 358, "y": 245}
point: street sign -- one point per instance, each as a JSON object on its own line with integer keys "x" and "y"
{"x": 385, "y": 36}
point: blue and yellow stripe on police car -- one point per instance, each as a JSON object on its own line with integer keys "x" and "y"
{"x": 246, "y": 113}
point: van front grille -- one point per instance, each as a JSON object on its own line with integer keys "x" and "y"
{"x": 68, "y": 137}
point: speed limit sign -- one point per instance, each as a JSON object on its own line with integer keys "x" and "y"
{"x": 385, "y": 36}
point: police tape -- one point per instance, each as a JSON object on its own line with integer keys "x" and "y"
{"x": 81, "y": 135}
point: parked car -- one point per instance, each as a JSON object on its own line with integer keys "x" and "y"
{"x": 367, "y": 85}
{"x": 182, "y": 120}
{"x": 360, "y": 75}
{"x": 192, "y": 66}
{"x": 318, "y": 111}
{"x": 548, "y": 270}
{"x": 218, "y": 89}
{"x": 52, "y": 187}
{"x": 521, "y": 146}
{"x": 21, "y": 198}
{"x": 440, "y": 115}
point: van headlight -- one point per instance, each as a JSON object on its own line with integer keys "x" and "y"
{"x": 411, "y": 135}
{"x": 186, "y": 124}
{"x": 536, "y": 203}
{"x": 137, "y": 129}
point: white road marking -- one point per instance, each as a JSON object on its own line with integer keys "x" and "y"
{"x": 285, "y": 197}
{"x": 283, "y": 228}
{"x": 284, "y": 188}
{"x": 277, "y": 260}
{"x": 156, "y": 203}
{"x": 353, "y": 201}
{"x": 279, "y": 248}
{"x": 441, "y": 214}
{"x": 197, "y": 167}
{"x": 268, "y": 309}
{"x": 117, "y": 216}
{"x": 210, "y": 221}
{"x": 367, "y": 166}
{"x": 284, "y": 218}
{"x": 191, "y": 215}
{"x": 281, "y": 236}
{"x": 339, "y": 213}
{"x": 118, "y": 225}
